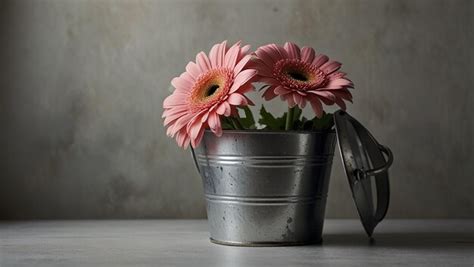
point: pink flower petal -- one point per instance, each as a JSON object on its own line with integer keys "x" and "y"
{"x": 218, "y": 131}
{"x": 265, "y": 57}
{"x": 243, "y": 52}
{"x": 195, "y": 142}
{"x": 326, "y": 101}
{"x": 291, "y": 101}
{"x": 302, "y": 93}
{"x": 170, "y": 102}
{"x": 271, "y": 53}
{"x": 326, "y": 97}
{"x": 243, "y": 77}
{"x": 181, "y": 138}
{"x": 330, "y": 88}
{"x": 241, "y": 64}
{"x": 303, "y": 103}
{"x": 182, "y": 122}
{"x": 326, "y": 94}
{"x": 238, "y": 44}
{"x": 280, "y": 90}
{"x": 245, "y": 88}
{"x": 341, "y": 103}
{"x": 339, "y": 83}
{"x": 173, "y": 117}
{"x": 223, "y": 109}
{"x": 293, "y": 50}
{"x": 234, "y": 111}
{"x": 170, "y": 132}
{"x": 214, "y": 123}
{"x": 167, "y": 112}
{"x": 317, "y": 107}
{"x": 186, "y": 118}
{"x": 193, "y": 69}
{"x": 344, "y": 94}
{"x": 337, "y": 74}
{"x": 186, "y": 143}
{"x": 194, "y": 127}
{"x": 203, "y": 62}
{"x": 183, "y": 82}
{"x": 262, "y": 69}
{"x": 221, "y": 54}
{"x": 213, "y": 55}
{"x": 237, "y": 99}
{"x": 330, "y": 67}
{"x": 268, "y": 80}
{"x": 205, "y": 115}
{"x": 213, "y": 117}
{"x": 231, "y": 56}
{"x": 307, "y": 54}
{"x": 174, "y": 100}
{"x": 249, "y": 102}
{"x": 298, "y": 99}
{"x": 228, "y": 109}
{"x": 281, "y": 50}
{"x": 319, "y": 60}
{"x": 269, "y": 93}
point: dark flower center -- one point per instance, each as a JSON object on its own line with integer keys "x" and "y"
{"x": 212, "y": 89}
{"x": 297, "y": 76}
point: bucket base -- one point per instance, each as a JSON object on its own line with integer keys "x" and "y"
{"x": 265, "y": 244}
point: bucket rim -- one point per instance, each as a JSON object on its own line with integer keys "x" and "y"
{"x": 280, "y": 132}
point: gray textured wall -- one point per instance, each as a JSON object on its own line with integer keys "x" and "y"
{"x": 82, "y": 84}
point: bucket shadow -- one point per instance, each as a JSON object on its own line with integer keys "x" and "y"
{"x": 425, "y": 240}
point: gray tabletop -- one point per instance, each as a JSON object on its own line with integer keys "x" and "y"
{"x": 186, "y": 243}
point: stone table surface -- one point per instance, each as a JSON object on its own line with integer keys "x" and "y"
{"x": 186, "y": 243}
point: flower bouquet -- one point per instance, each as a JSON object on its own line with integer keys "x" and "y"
{"x": 210, "y": 92}
{"x": 266, "y": 180}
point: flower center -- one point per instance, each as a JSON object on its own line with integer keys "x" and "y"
{"x": 298, "y": 75}
{"x": 210, "y": 88}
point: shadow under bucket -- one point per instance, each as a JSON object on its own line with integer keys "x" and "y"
{"x": 265, "y": 188}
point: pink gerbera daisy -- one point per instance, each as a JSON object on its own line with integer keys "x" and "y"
{"x": 212, "y": 86}
{"x": 301, "y": 76}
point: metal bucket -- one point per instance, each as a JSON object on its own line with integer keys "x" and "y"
{"x": 265, "y": 188}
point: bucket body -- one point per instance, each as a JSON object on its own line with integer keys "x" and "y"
{"x": 265, "y": 188}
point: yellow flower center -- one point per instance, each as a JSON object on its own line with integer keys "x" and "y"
{"x": 211, "y": 87}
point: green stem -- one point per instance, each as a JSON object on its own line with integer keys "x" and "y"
{"x": 289, "y": 118}
{"x": 236, "y": 123}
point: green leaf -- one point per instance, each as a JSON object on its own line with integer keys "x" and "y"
{"x": 297, "y": 114}
{"x": 226, "y": 123}
{"x": 263, "y": 87}
{"x": 248, "y": 122}
{"x": 297, "y": 123}
{"x": 326, "y": 122}
{"x": 307, "y": 124}
{"x": 270, "y": 122}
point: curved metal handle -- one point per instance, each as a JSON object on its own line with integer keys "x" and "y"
{"x": 195, "y": 160}
{"x": 361, "y": 174}
{"x": 385, "y": 167}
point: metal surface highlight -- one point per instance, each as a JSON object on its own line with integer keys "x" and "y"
{"x": 265, "y": 188}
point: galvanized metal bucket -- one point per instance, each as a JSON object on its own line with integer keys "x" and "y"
{"x": 265, "y": 188}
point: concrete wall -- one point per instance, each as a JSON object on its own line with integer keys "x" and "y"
{"x": 82, "y": 84}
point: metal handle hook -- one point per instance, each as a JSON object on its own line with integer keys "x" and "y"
{"x": 360, "y": 174}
